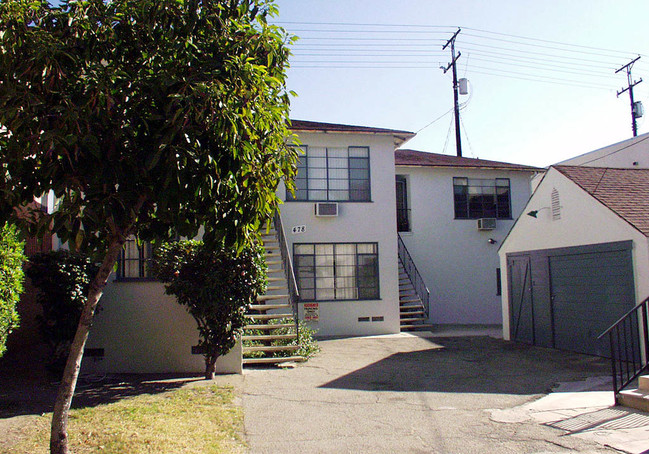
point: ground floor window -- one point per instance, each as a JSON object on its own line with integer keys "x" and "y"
{"x": 337, "y": 271}
{"x": 134, "y": 261}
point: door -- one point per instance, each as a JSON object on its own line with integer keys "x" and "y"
{"x": 521, "y": 303}
{"x": 403, "y": 213}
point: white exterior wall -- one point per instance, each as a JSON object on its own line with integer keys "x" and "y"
{"x": 357, "y": 222}
{"x": 142, "y": 330}
{"x": 619, "y": 155}
{"x": 583, "y": 221}
{"x": 455, "y": 259}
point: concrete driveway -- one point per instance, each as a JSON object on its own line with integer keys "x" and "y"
{"x": 410, "y": 394}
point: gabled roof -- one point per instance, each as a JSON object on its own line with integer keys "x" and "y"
{"x": 414, "y": 158}
{"x": 623, "y": 191}
{"x": 602, "y": 153}
{"x": 316, "y": 126}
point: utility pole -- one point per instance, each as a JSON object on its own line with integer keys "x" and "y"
{"x": 629, "y": 88}
{"x": 454, "y": 58}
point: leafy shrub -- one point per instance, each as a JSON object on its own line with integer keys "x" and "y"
{"x": 62, "y": 279}
{"x": 307, "y": 345}
{"x": 216, "y": 287}
{"x": 11, "y": 281}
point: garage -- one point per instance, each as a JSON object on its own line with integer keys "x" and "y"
{"x": 565, "y": 297}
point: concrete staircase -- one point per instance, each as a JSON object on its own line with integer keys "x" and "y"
{"x": 636, "y": 398}
{"x": 271, "y": 322}
{"x": 411, "y": 308}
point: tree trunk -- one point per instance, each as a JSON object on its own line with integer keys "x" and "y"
{"x": 59, "y": 431}
{"x": 210, "y": 366}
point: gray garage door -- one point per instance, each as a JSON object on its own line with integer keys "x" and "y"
{"x": 574, "y": 295}
{"x": 590, "y": 292}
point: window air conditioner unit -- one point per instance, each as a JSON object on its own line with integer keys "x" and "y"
{"x": 326, "y": 209}
{"x": 486, "y": 223}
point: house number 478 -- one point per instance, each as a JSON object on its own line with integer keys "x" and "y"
{"x": 299, "y": 229}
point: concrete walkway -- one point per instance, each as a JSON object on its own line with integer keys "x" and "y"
{"x": 415, "y": 394}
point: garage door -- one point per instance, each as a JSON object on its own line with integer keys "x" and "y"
{"x": 566, "y": 297}
{"x": 590, "y": 292}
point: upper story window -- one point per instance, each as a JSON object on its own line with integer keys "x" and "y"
{"x": 134, "y": 260}
{"x": 333, "y": 174}
{"x": 481, "y": 198}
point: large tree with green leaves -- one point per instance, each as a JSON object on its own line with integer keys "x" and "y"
{"x": 144, "y": 117}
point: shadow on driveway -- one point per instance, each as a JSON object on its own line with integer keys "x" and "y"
{"x": 473, "y": 365}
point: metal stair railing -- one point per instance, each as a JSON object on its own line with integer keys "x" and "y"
{"x": 413, "y": 273}
{"x": 287, "y": 263}
{"x": 629, "y": 343}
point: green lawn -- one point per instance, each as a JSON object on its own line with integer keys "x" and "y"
{"x": 197, "y": 419}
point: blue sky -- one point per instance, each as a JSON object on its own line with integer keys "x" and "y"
{"x": 541, "y": 73}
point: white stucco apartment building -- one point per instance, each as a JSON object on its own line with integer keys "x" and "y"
{"x": 340, "y": 227}
{"x": 454, "y": 213}
{"x": 346, "y": 264}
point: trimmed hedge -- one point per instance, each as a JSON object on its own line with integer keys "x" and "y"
{"x": 62, "y": 279}
{"x": 12, "y": 257}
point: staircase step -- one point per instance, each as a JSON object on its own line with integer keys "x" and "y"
{"x": 269, "y": 337}
{"x": 270, "y": 263}
{"x": 410, "y": 313}
{"x": 408, "y": 321}
{"x": 643, "y": 382}
{"x": 634, "y": 398}
{"x": 269, "y": 326}
{"x": 425, "y": 327}
{"x": 268, "y": 307}
{"x": 285, "y": 359}
{"x": 409, "y": 300}
{"x": 267, "y": 316}
{"x": 270, "y": 288}
{"x": 271, "y": 348}
{"x": 276, "y": 279}
{"x": 271, "y": 297}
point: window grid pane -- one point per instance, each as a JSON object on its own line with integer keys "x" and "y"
{"x": 135, "y": 260}
{"x": 333, "y": 174}
{"x": 481, "y": 198}
{"x": 340, "y": 271}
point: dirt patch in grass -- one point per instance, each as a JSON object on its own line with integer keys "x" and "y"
{"x": 202, "y": 418}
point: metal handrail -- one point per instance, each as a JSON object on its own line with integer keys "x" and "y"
{"x": 287, "y": 262}
{"x": 629, "y": 343}
{"x": 415, "y": 277}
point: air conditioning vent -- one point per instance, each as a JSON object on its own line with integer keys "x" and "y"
{"x": 326, "y": 209}
{"x": 486, "y": 223}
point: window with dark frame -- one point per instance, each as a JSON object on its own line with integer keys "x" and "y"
{"x": 134, "y": 260}
{"x": 337, "y": 271}
{"x": 481, "y": 198}
{"x": 333, "y": 174}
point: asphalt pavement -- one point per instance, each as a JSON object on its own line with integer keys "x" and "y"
{"x": 431, "y": 393}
